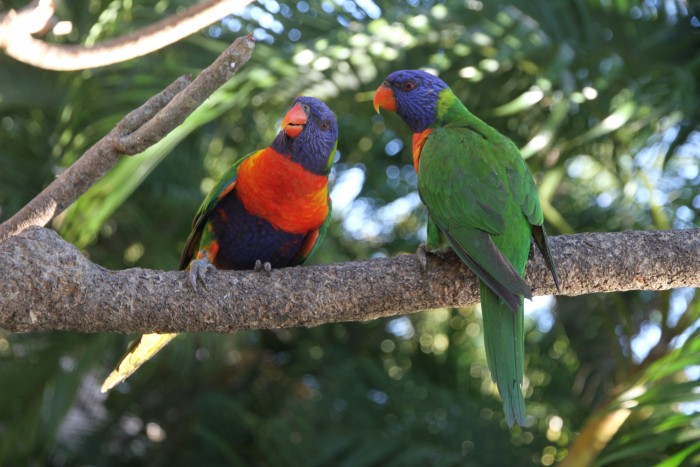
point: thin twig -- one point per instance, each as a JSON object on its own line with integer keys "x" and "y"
{"x": 140, "y": 129}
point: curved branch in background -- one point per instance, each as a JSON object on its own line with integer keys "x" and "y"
{"x": 594, "y": 436}
{"x": 17, "y": 27}
{"x": 137, "y": 131}
{"x": 48, "y": 284}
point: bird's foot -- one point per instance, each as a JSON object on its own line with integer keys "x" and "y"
{"x": 266, "y": 266}
{"x": 422, "y": 255}
{"x": 198, "y": 270}
{"x": 425, "y": 249}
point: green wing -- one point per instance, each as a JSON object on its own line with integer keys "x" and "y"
{"x": 525, "y": 195}
{"x": 468, "y": 169}
{"x": 216, "y": 194}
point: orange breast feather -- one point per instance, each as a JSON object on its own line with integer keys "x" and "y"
{"x": 273, "y": 187}
{"x": 418, "y": 142}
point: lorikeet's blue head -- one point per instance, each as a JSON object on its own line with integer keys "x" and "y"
{"x": 413, "y": 94}
{"x": 309, "y": 135}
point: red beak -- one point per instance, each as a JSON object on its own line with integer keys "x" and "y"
{"x": 294, "y": 122}
{"x": 384, "y": 98}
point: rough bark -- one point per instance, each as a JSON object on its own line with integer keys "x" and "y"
{"x": 17, "y": 27}
{"x": 137, "y": 131}
{"x": 48, "y": 284}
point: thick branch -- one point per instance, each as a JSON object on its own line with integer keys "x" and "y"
{"x": 16, "y": 39}
{"x": 48, "y": 284}
{"x": 137, "y": 131}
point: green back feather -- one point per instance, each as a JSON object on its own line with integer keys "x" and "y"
{"x": 480, "y": 194}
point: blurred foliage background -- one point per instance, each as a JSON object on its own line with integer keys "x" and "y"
{"x": 603, "y": 98}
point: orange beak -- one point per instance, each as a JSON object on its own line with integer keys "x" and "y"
{"x": 294, "y": 122}
{"x": 384, "y": 98}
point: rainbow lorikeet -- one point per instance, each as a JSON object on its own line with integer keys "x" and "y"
{"x": 271, "y": 207}
{"x": 483, "y": 203}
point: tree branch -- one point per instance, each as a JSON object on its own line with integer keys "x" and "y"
{"x": 17, "y": 27}
{"x": 137, "y": 131}
{"x": 48, "y": 284}
{"x": 595, "y": 436}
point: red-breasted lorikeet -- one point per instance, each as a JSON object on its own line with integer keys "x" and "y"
{"x": 271, "y": 207}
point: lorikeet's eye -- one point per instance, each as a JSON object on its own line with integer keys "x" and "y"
{"x": 325, "y": 125}
{"x": 409, "y": 85}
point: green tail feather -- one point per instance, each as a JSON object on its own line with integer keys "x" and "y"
{"x": 503, "y": 340}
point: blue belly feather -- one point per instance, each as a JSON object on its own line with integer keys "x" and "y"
{"x": 244, "y": 238}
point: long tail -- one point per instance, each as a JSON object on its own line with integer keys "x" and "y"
{"x": 139, "y": 353}
{"x": 503, "y": 340}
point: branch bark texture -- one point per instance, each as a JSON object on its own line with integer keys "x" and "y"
{"x": 17, "y": 27}
{"x": 48, "y": 284}
{"x": 137, "y": 131}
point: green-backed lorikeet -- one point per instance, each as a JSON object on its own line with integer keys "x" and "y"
{"x": 271, "y": 207}
{"x": 483, "y": 203}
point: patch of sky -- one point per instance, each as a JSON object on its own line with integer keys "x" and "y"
{"x": 408, "y": 173}
{"x": 540, "y": 309}
{"x": 255, "y": 12}
{"x": 351, "y": 8}
{"x": 393, "y": 147}
{"x": 286, "y": 11}
{"x": 399, "y": 209}
{"x": 393, "y": 172}
{"x": 578, "y": 166}
{"x": 272, "y": 6}
{"x": 232, "y": 24}
{"x": 214, "y": 31}
{"x": 378, "y": 397}
{"x": 294, "y": 35}
{"x": 393, "y": 176}
{"x": 642, "y": 343}
{"x": 356, "y": 222}
{"x": 684, "y": 218}
{"x": 361, "y": 218}
{"x": 261, "y": 35}
{"x": 604, "y": 200}
{"x": 680, "y": 299}
{"x": 690, "y": 408}
{"x": 671, "y": 11}
{"x": 693, "y": 407}
{"x": 277, "y": 27}
{"x": 401, "y": 327}
{"x": 266, "y": 20}
{"x": 347, "y": 187}
{"x": 371, "y": 8}
{"x": 689, "y": 171}
{"x": 311, "y": 383}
